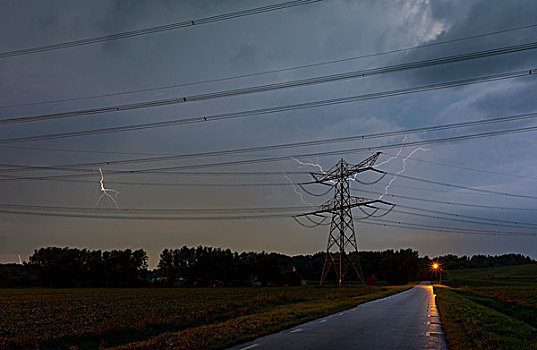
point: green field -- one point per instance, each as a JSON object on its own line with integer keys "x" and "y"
{"x": 181, "y": 318}
{"x": 490, "y": 308}
{"x": 495, "y": 276}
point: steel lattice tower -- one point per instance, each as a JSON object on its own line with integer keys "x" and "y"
{"x": 342, "y": 236}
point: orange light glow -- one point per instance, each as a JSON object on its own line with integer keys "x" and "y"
{"x": 435, "y": 266}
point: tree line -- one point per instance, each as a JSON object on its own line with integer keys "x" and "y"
{"x": 215, "y": 266}
{"x": 454, "y": 262}
{"x": 72, "y": 267}
{"x": 206, "y": 266}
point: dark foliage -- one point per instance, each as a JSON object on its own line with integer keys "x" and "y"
{"x": 453, "y": 262}
{"x": 214, "y": 266}
{"x": 15, "y": 275}
{"x": 205, "y": 266}
{"x": 71, "y": 267}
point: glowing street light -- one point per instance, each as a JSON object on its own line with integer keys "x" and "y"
{"x": 436, "y": 267}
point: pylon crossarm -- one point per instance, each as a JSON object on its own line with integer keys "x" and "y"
{"x": 377, "y": 170}
{"x": 332, "y": 206}
{"x": 368, "y": 162}
{"x": 330, "y": 178}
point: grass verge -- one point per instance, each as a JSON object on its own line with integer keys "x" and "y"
{"x": 470, "y": 324}
{"x": 247, "y": 327}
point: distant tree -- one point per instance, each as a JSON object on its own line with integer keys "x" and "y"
{"x": 166, "y": 265}
{"x": 400, "y": 267}
{"x": 71, "y": 267}
{"x": 17, "y": 275}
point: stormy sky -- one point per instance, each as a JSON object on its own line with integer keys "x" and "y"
{"x": 166, "y": 64}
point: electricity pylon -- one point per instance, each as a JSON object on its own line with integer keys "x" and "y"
{"x": 342, "y": 235}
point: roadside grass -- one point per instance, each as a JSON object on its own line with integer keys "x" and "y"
{"x": 520, "y": 295}
{"x": 490, "y": 308}
{"x": 101, "y": 317}
{"x": 521, "y": 312}
{"x": 468, "y": 324}
{"x": 248, "y": 327}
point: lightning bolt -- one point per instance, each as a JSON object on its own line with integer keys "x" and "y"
{"x": 20, "y": 259}
{"x": 394, "y": 157}
{"x": 315, "y": 165}
{"x": 300, "y": 194}
{"x": 403, "y": 169}
{"x": 106, "y": 192}
{"x": 296, "y": 190}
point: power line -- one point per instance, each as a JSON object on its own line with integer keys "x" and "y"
{"x": 86, "y": 151}
{"x": 278, "y": 86}
{"x": 452, "y": 166}
{"x": 401, "y": 224}
{"x": 451, "y": 202}
{"x": 279, "y": 158}
{"x": 480, "y": 122}
{"x": 456, "y": 215}
{"x": 274, "y": 70}
{"x": 46, "y": 149}
{"x": 139, "y": 217}
{"x": 208, "y": 184}
{"x": 463, "y": 187}
{"x": 259, "y": 210}
{"x": 269, "y": 110}
{"x": 381, "y": 222}
{"x": 156, "y": 29}
{"x": 465, "y": 220}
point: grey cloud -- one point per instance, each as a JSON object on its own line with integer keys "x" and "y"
{"x": 313, "y": 33}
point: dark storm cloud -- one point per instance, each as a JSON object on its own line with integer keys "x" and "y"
{"x": 308, "y": 34}
{"x": 481, "y": 17}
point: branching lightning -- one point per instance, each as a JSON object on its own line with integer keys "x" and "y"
{"x": 296, "y": 190}
{"x": 316, "y": 165}
{"x": 393, "y": 157}
{"x": 403, "y": 169}
{"x": 107, "y": 192}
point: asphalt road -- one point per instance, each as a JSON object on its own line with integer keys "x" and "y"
{"x": 407, "y": 320}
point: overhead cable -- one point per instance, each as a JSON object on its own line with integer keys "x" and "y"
{"x": 317, "y": 64}
{"x": 155, "y": 29}
{"x": 277, "y": 86}
{"x": 74, "y": 209}
{"x": 142, "y": 217}
{"x": 380, "y": 222}
{"x": 453, "y": 166}
{"x": 480, "y": 122}
{"x": 462, "y": 204}
{"x": 473, "y": 189}
{"x": 269, "y": 110}
{"x": 479, "y": 222}
{"x": 269, "y": 159}
{"x": 406, "y": 225}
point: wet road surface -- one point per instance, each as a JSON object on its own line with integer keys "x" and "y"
{"x": 407, "y": 320}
